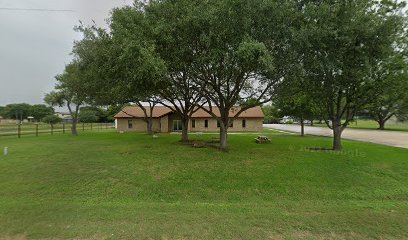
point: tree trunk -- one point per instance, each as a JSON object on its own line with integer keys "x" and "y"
{"x": 184, "y": 132}
{"x": 381, "y": 124}
{"x": 149, "y": 123}
{"x": 74, "y": 116}
{"x": 337, "y": 131}
{"x": 302, "y": 127}
{"x": 224, "y": 138}
{"x": 311, "y": 122}
{"x": 74, "y": 130}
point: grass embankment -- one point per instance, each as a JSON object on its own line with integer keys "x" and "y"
{"x": 105, "y": 185}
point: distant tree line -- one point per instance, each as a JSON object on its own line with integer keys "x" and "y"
{"x": 325, "y": 59}
{"x": 21, "y": 111}
{"x": 44, "y": 113}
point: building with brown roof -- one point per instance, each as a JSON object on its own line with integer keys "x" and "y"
{"x": 131, "y": 119}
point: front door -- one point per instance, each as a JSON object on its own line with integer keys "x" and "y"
{"x": 177, "y": 125}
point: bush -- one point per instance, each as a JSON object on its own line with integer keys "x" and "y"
{"x": 52, "y": 119}
{"x": 88, "y": 116}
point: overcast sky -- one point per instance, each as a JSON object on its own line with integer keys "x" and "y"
{"x": 35, "y": 44}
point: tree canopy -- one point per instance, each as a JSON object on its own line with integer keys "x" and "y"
{"x": 342, "y": 43}
{"x": 70, "y": 92}
{"x": 236, "y": 54}
{"x": 21, "y": 111}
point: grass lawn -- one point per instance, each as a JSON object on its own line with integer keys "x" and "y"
{"x": 371, "y": 124}
{"x": 105, "y": 185}
{"x": 11, "y": 129}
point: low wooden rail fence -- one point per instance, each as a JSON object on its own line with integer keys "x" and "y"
{"x": 43, "y": 128}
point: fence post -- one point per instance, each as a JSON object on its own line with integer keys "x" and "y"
{"x": 91, "y": 126}
{"x": 52, "y": 129}
{"x": 19, "y": 130}
{"x": 63, "y": 128}
{"x": 36, "y": 129}
{"x": 83, "y": 126}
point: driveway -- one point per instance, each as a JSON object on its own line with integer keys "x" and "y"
{"x": 390, "y": 138}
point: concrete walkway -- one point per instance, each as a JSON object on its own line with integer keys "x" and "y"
{"x": 390, "y": 138}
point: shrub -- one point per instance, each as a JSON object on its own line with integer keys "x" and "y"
{"x": 52, "y": 119}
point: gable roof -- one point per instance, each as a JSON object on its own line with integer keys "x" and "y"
{"x": 160, "y": 111}
{"x": 136, "y": 111}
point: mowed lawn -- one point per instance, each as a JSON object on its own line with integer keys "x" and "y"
{"x": 106, "y": 185}
{"x": 373, "y": 125}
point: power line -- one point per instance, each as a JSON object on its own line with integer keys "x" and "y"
{"x": 36, "y": 9}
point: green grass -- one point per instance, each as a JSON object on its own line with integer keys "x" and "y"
{"x": 370, "y": 124}
{"x": 373, "y": 125}
{"x": 105, "y": 185}
{"x": 11, "y": 129}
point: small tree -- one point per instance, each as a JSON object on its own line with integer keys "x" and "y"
{"x": 52, "y": 119}
{"x": 70, "y": 92}
{"x": 271, "y": 113}
{"x": 390, "y": 97}
{"x": 298, "y": 106}
{"x": 39, "y": 111}
{"x": 88, "y": 117}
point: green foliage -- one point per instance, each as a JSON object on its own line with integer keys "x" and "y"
{"x": 390, "y": 96}
{"x": 341, "y": 44}
{"x": 113, "y": 110}
{"x": 271, "y": 113}
{"x": 24, "y": 110}
{"x": 88, "y": 116}
{"x": 55, "y": 99}
{"x": 39, "y": 111}
{"x": 121, "y": 66}
{"x": 52, "y": 119}
{"x": 17, "y": 111}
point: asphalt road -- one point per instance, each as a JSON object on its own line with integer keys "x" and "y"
{"x": 390, "y": 138}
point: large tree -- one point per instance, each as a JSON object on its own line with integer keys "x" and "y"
{"x": 343, "y": 42}
{"x": 121, "y": 64}
{"x": 222, "y": 44}
{"x": 69, "y": 92}
{"x": 169, "y": 21}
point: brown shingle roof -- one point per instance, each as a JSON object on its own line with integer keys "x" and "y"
{"x": 160, "y": 111}
{"x": 136, "y": 111}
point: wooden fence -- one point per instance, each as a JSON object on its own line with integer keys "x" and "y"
{"x": 50, "y": 129}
